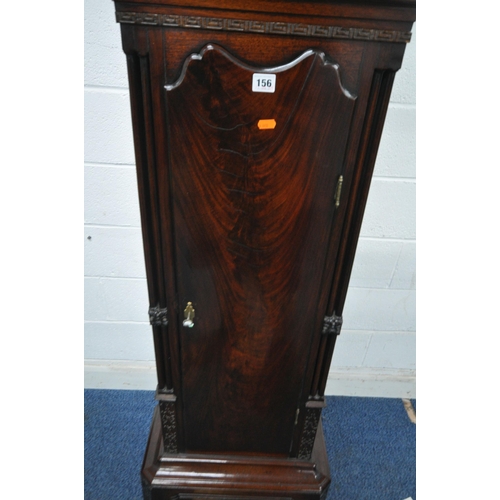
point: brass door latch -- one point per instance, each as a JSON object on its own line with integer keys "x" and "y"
{"x": 189, "y": 316}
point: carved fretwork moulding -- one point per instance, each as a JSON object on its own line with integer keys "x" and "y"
{"x": 264, "y": 27}
{"x": 169, "y": 426}
{"x": 309, "y": 434}
{"x": 332, "y": 325}
{"x": 158, "y": 316}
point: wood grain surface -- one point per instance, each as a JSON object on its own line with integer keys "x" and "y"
{"x": 241, "y": 221}
{"x": 252, "y": 215}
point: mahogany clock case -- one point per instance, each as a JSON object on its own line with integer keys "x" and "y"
{"x": 256, "y": 127}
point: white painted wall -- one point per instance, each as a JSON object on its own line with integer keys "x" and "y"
{"x": 375, "y": 353}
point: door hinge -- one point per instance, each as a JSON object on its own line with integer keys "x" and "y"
{"x": 297, "y": 416}
{"x": 338, "y": 191}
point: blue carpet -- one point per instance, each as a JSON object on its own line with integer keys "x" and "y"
{"x": 370, "y": 444}
{"x": 371, "y": 449}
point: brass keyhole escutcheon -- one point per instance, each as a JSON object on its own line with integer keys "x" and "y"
{"x": 189, "y": 316}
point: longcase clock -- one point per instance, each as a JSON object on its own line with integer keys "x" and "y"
{"x": 256, "y": 126}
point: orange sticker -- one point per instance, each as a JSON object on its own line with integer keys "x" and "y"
{"x": 266, "y": 124}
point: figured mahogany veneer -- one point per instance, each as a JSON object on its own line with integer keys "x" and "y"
{"x": 251, "y": 221}
{"x": 251, "y": 206}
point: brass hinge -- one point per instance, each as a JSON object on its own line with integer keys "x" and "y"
{"x": 338, "y": 191}
{"x": 297, "y": 416}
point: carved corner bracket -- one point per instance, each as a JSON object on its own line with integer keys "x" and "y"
{"x": 158, "y": 316}
{"x": 332, "y": 325}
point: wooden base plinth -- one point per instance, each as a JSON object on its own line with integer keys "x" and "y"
{"x": 210, "y": 477}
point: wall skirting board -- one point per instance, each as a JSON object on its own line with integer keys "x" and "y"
{"x": 362, "y": 382}
{"x": 372, "y": 382}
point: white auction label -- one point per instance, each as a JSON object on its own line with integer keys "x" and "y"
{"x": 262, "y": 82}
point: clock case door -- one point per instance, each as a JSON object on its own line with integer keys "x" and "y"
{"x": 252, "y": 210}
{"x": 242, "y": 222}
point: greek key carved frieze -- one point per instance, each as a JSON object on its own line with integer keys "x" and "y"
{"x": 265, "y": 27}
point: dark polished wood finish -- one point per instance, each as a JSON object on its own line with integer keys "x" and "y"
{"x": 253, "y": 225}
{"x": 199, "y": 476}
{"x": 252, "y": 219}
